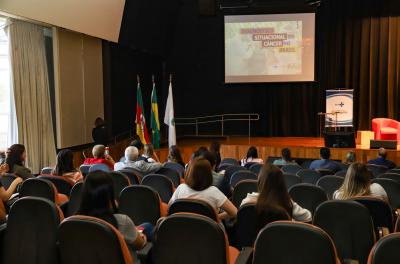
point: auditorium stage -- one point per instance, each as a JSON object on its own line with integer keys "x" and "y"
{"x": 301, "y": 147}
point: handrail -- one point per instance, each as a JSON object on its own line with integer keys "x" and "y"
{"x": 220, "y": 118}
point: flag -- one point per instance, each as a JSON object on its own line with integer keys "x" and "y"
{"x": 155, "y": 123}
{"x": 169, "y": 118}
{"x": 141, "y": 128}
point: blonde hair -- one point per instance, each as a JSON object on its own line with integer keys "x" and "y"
{"x": 356, "y": 182}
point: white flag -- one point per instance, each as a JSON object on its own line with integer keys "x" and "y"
{"x": 169, "y": 118}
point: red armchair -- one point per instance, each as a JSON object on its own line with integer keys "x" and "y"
{"x": 386, "y": 129}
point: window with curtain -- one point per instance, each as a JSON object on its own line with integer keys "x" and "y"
{"x": 5, "y": 88}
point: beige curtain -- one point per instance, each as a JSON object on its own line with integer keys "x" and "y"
{"x": 31, "y": 93}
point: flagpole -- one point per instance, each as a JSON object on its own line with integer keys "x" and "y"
{"x": 138, "y": 78}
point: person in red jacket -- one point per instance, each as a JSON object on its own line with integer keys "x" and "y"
{"x": 99, "y": 156}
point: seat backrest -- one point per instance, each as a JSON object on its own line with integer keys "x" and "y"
{"x": 256, "y": 168}
{"x": 230, "y": 161}
{"x": 31, "y": 232}
{"x": 284, "y": 242}
{"x": 195, "y": 206}
{"x": 47, "y": 170}
{"x": 392, "y": 176}
{"x": 381, "y": 212}
{"x": 395, "y": 170}
{"x": 38, "y": 188}
{"x": 229, "y": 171}
{"x": 308, "y": 196}
{"x": 330, "y": 184}
{"x": 224, "y": 166}
{"x": 99, "y": 167}
{"x": 341, "y": 173}
{"x": 241, "y": 190}
{"x": 84, "y": 169}
{"x": 141, "y": 203}
{"x": 239, "y": 176}
{"x": 249, "y": 164}
{"x": 291, "y": 168}
{"x": 350, "y": 226}
{"x": 324, "y": 172}
{"x": 179, "y": 236}
{"x": 63, "y": 185}
{"x": 291, "y": 179}
{"x": 120, "y": 181}
{"x": 392, "y": 189}
{"x": 7, "y": 179}
{"x": 162, "y": 184}
{"x": 89, "y": 240}
{"x": 172, "y": 174}
{"x": 309, "y": 176}
{"x": 133, "y": 176}
{"x": 75, "y": 198}
{"x": 386, "y": 250}
{"x": 248, "y": 223}
{"x": 376, "y": 170}
{"x": 175, "y": 166}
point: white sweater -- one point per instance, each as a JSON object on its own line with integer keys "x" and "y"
{"x": 299, "y": 213}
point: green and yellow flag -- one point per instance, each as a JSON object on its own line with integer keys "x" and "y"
{"x": 155, "y": 123}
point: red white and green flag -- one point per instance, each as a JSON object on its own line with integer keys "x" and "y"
{"x": 141, "y": 128}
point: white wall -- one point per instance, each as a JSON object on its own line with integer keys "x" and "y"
{"x": 98, "y": 18}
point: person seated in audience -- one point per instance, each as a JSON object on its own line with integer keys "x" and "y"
{"x": 15, "y": 159}
{"x": 99, "y": 132}
{"x": 98, "y": 201}
{"x": 215, "y": 148}
{"x": 174, "y": 155}
{"x": 382, "y": 161}
{"x": 132, "y": 161}
{"x": 350, "y": 159}
{"x": 6, "y": 194}
{"x": 286, "y": 158}
{"x": 251, "y": 156}
{"x": 198, "y": 185}
{"x": 357, "y": 182}
{"x": 325, "y": 162}
{"x": 99, "y": 156}
{"x": 137, "y": 144}
{"x": 149, "y": 155}
{"x": 65, "y": 166}
{"x": 217, "y": 177}
{"x": 272, "y": 191}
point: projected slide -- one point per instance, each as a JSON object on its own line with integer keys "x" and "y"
{"x": 269, "y": 48}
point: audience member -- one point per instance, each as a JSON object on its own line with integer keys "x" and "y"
{"x": 251, "y": 156}
{"x": 350, "y": 159}
{"x": 99, "y": 156}
{"x": 286, "y": 158}
{"x": 174, "y": 155}
{"x": 98, "y": 201}
{"x": 357, "y": 182}
{"x": 325, "y": 162}
{"x": 215, "y": 148}
{"x": 132, "y": 161}
{"x": 382, "y": 161}
{"x": 198, "y": 185}
{"x": 99, "y": 132}
{"x": 65, "y": 166}
{"x": 149, "y": 155}
{"x": 272, "y": 191}
{"x": 6, "y": 194}
{"x": 217, "y": 177}
{"x": 137, "y": 143}
{"x": 15, "y": 159}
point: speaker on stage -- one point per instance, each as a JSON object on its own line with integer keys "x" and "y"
{"x": 339, "y": 140}
{"x": 387, "y": 144}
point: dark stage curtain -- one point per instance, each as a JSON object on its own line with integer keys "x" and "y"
{"x": 360, "y": 46}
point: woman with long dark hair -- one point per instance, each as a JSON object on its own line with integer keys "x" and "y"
{"x": 65, "y": 166}
{"x": 15, "y": 159}
{"x": 174, "y": 155}
{"x": 215, "y": 148}
{"x": 251, "y": 156}
{"x": 6, "y": 194}
{"x": 272, "y": 193}
{"x": 98, "y": 201}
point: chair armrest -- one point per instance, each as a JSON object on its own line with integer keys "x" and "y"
{"x": 245, "y": 256}
{"x": 144, "y": 253}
